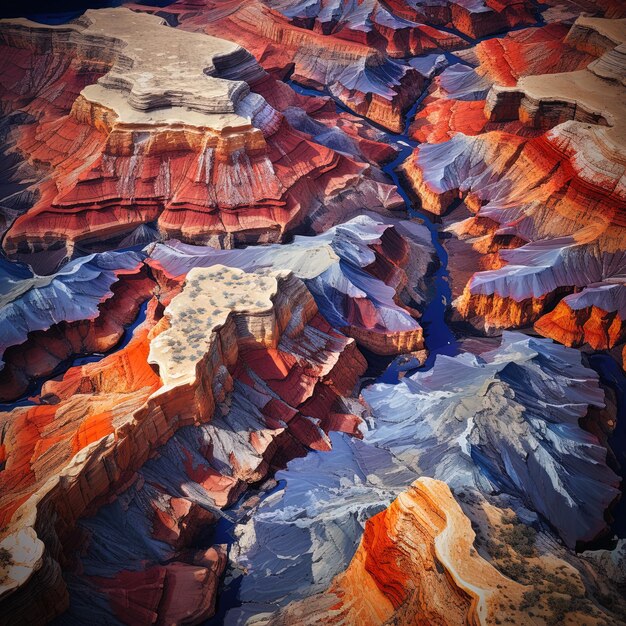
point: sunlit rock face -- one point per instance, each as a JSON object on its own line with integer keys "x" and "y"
{"x": 249, "y": 355}
{"x": 366, "y": 275}
{"x": 177, "y": 143}
{"x": 542, "y": 214}
{"x": 456, "y": 102}
{"x": 415, "y": 558}
{"x": 594, "y": 316}
{"x": 436, "y": 555}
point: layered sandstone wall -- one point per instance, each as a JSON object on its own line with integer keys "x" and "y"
{"x": 191, "y": 151}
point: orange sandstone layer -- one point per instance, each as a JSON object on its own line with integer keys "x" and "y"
{"x": 435, "y": 558}
{"x": 415, "y": 564}
{"x": 594, "y": 317}
{"x": 502, "y": 61}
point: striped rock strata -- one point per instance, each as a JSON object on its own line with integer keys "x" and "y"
{"x": 168, "y": 135}
{"x": 541, "y": 217}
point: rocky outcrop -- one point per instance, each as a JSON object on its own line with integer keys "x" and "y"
{"x": 456, "y": 102}
{"x": 320, "y": 535}
{"x": 350, "y": 49}
{"x": 415, "y": 558}
{"x": 541, "y": 217}
{"x": 474, "y": 19}
{"x": 82, "y": 309}
{"x": 366, "y": 275}
{"x": 406, "y": 29}
{"x": 229, "y": 341}
{"x": 595, "y": 35}
{"x": 594, "y": 317}
{"x": 306, "y": 531}
{"x": 372, "y": 23}
{"x": 197, "y": 153}
{"x": 35, "y": 303}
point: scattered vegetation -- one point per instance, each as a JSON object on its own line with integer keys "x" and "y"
{"x": 519, "y": 536}
{"x": 530, "y": 599}
{"x": 553, "y": 595}
{"x": 6, "y": 559}
{"x": 514, "y": 536}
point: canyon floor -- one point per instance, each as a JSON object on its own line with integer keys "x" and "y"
{"x": 313, "y": 312}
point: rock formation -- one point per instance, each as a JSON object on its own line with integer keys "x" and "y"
{"x": 595, "y": 317}
{"x": 364, "y": 275}
{"x": 320, "y": 538}
{"x": 415, "y": 558}
{"x": 195, "y": 152}
{"x": 228, "y": 342}
{"x": 237, "y": 389}
{"x": 542, "y": 215}
{"x": 521, "y": 455}
{"x": 353, "y": 62}
{"x": 456, "y": 104}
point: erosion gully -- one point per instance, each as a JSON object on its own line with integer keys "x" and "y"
{"x": 438, "y": 337}
{"x": 34, "y": 389}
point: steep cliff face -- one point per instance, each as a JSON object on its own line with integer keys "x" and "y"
{"x": 456, "y": 102}
{"x": 59, "y": 458}
{"x": 541, "y": 216}
{"x": 366, "y": 275}
{"x": 594, "y": 317}
{"x": 191, "y": 149}
{"x": 232, "y": 350}
{"x": 423, "y": 560}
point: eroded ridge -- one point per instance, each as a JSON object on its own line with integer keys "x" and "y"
{"x": 539, "y": 165}
{"x": 135, "y": 130}
{"x": 91, "y": 432}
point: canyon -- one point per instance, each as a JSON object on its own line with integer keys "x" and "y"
{"x": 313, "y": 313}
{"x": 538, "y": 211}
